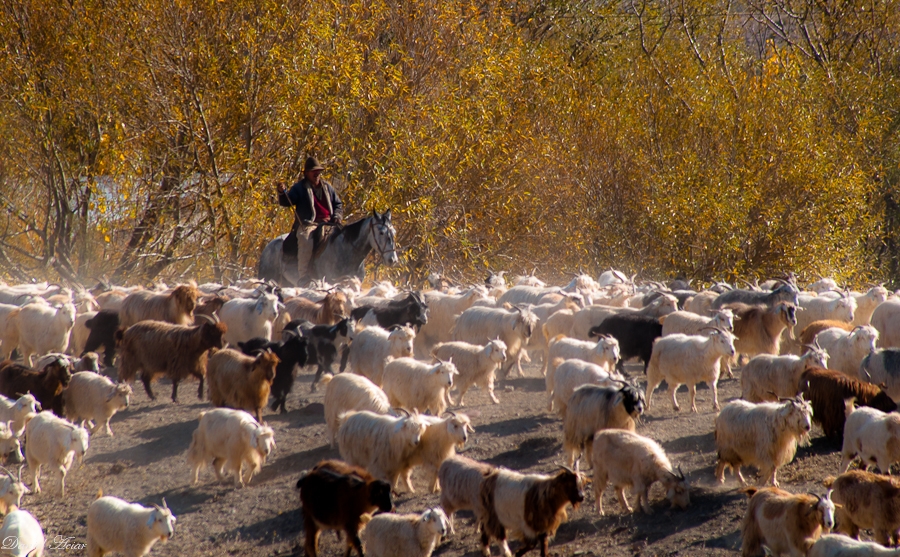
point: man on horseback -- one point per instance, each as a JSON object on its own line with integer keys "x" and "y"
{"x": 315, "y": 203}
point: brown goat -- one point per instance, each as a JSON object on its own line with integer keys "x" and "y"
{"x": 156, "y": 348}
{"x": 808, "y": 334}
{"x": 334, "y": 307}
{"x": 827, "y": 390}
{"x": 531, "y": 506}
{"x": 241, "y": 382}
{"x": 758, "y": 328}
{"x": 45, "y": 385}
{"x": 175, "y": 307}
{"x": 867, "y": 501}
{"x": 787, "y": 524}
{"x": 335, "y": 496}
{"x": 209, "y": 305}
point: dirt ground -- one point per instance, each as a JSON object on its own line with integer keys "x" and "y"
{"x": 145, "y": 462}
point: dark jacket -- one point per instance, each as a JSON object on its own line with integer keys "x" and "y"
{"x": 300, "y": 196}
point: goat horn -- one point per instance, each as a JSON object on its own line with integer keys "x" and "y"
{"x": 205, "y": 318}
{"x": 680, "y": 473}
{"x": 7, "y": 472}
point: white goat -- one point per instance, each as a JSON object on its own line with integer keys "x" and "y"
{"x": 404, "y": 535}
{"x": 9, "y": 331}
{"x": 866, "y": 304}
{"x": 872, "y": 435}
{"x": 846, "y": 350}
{"x": 12, "y": 488}
{"x": 573, "y": 373}
{"x": 380, "y": 444}
{"x": 689, "y": 323}
{"x": 837, "y": 545}
{"x": 17, "y": 412}
{"x": 480, "y": 325}
{"x": 886, "y": 320}
{"x": 346, "y": 392}
{"x": 230, "y": 439}
{"x": 43, "y": 328}
{"x": 248, "y": 318}
{"x": 688, "y": 359}
{"x": 604, "y": 353}
{"x": 371, "y": 347}
{"x": 476, "y": 365}
{"x": 91, "y": 397}
{"x": 764, "y": 435}
{"x": 439, "y": 442}
{"x": 768, "y": 378}
{"x": 114, "y": 525}
{"x": 415, "y": 385}
{"x": 443, "y": 309}
{"x": 22, "y": 535}
{"x": 55, "y": 442}
{"x": 624, "y": 459}
{"x": 820, "y": 308}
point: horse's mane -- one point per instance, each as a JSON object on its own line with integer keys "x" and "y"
{"x": 351, "y": 231}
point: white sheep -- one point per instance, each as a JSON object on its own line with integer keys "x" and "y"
{"x": 443, "y": 309}
{"x": 17, "y": 412}
{"x": 573, "y": 373}
{"x": 477, "y": 365}
{"x": 248, "y": 318}
{"x": 866, "y": 304}
{"x": 21, "y": 535}
{"x": 624, "y": 459}
{"x": 94, "y": 399}
{"x": 768, "y": 378}
{"x": 230, "y": 439}
{"x": 114, "y": 525}
{"x": 691, "y": 359}
{"x": 846, "y": 350}
{"x": 43, "y": 328}
{"x": 55, "y": 442}
{"x": 415, "y": 385}
{"x": 371, "y": 347}
{"x": 404, "y": 535}
{"x": 380, "y": 444}
{"x": 460, "y": 480}
{"x": 439, "y": 442}
{"x": 872, "y": 435}
{"x": 604, "y": 353}
{"x": 347, "y": 391}
{"x": 764, "y": 435}
{"x": 480, "y": 325}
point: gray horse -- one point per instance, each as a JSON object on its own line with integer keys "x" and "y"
{"x": 343, "y": 254}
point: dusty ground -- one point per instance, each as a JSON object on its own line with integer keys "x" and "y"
{"x": 145, "y": 462}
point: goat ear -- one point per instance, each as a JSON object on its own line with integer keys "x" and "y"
{"x": 259, "y": 306}
{"x": 152, "y": 518}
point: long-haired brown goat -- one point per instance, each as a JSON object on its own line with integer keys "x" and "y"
{"x": 175, "y": 307}
{"x": 156, "y": 348}
{"x": 241, "y": 382}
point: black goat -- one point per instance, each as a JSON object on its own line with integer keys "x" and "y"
{"x": 635, "y": 334}
{"x": 292, "y": 352}
{"x": 324, "y": 343}
{"x": 103, "y": 327}
{"x": 412, "y": 311}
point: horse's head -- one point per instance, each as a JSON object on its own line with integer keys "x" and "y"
{"x": 382, "y": 238}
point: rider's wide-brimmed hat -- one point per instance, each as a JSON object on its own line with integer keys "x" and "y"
{"x": 312, "y": 164}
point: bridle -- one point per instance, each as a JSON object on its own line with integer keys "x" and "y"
{"x": 381, "y": 250}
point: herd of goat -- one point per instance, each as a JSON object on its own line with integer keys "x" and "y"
{"x": 389, "y": 360}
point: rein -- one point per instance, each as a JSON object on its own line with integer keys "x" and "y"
{"x": 381, "y": 250}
